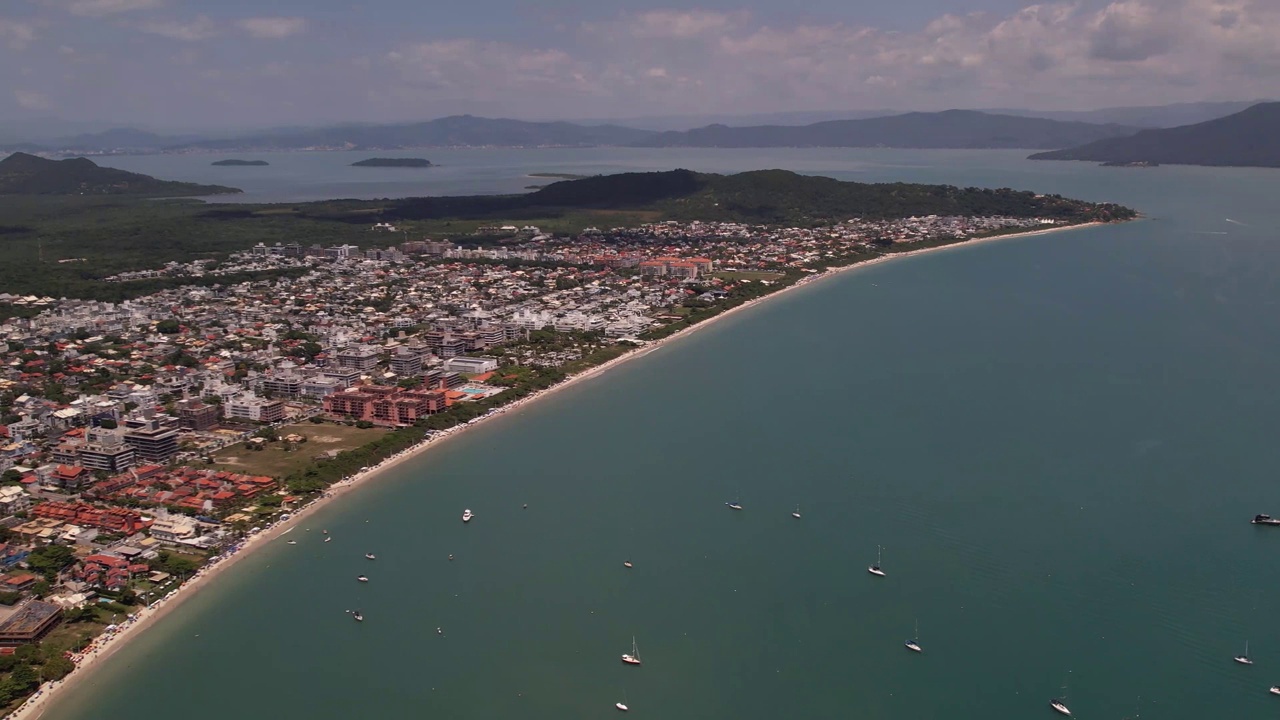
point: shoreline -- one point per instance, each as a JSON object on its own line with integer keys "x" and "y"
{"x": 110, "y": 642}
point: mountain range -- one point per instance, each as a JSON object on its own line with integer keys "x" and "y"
{"x": 967, "y": 129}
{"x": 1247, "y": 138}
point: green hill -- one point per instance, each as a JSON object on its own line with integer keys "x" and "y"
{"x": 1247, "y": 138}
{"x": 393, "y": 163}
{"x": 23, "y": 174}
{"x": 949, "y": 129}
{"x": 762, "y": 197}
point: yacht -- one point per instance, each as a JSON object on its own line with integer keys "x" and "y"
{"x": 1263, "y": 519}
{"x": 1244, "y": 659}
{"x": 466, "y": 515}
{"x": 357, "y": 616}
{"x": 362, "y": 578}
{"x": 1060, "y": 704}
{"x": 632, "y": 658}
{"x": 1275, "y": 690}
{"x": 875, "y": 569}
{"x": 914, "y": 644}
{"x": 370, "y": 556}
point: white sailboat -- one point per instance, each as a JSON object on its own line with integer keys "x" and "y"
{"x": 914, "y": 644}
{"x": 735, "y": 505}
{"x": 632, "y": 658}
{"x": 875, "y": 569}
{"x": 1060, "y": 703}
{"x": 622, "y": 705}
{"x": 1244, "y": 659}
{"x": 796, "y": 514}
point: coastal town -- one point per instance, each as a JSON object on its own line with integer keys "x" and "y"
{"x": 144, "y": 443}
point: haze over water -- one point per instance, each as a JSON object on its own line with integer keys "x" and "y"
{"x": 1059, "y": 441}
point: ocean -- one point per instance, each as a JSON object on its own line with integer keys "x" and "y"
{"x": 1057, "y": 441}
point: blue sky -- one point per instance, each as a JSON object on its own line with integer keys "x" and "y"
{"x": 207, "y": 63}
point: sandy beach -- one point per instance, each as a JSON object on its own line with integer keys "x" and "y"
{"x": 112, "y": 640}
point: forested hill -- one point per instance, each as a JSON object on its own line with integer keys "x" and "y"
{"x": 762, "y": 197}
{"x": 1248, "y": 138}
{"x": 949, "y": 129}
{"x": 23, "y": 174}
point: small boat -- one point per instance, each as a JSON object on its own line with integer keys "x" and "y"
{"x": 525, "y": 506}
{"x": 326, "y": 532}
{"x": 362, "y": 578}
{"x": 439, "y": 631}
{"x": 1275, "y": 690}
{"x": 1244, "y": 659}
{"x": 914, "y": 645}
{"x": 357, "y": 616}
{"x": 292, "y": 542}
{"x": 451, "y": 557}
{"x": 632, "y": 658}
{"x": 627, "y": 564}
{"x": 621, "y": 707}
{"x": 735, "y": 505}
{"x": 1059, "y": 703}
{"x": 370, "y": 556}
{"x": 1264, "y": 520}
{"x": 466, "y": 515}
{"x": 328, "y": 538}
{"x": 796, "y": 514}
{"x": 875, "y": 569}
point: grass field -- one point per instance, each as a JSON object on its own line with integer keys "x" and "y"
{"x": 276, "y": 461}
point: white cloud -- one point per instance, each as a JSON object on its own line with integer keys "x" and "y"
{"x": 30, "y": 100}
{"x": 16, "y": 34}
{"x": 273, "y": 27}
{"x": 98, "y": 8}
{"x": 202, "y": 28}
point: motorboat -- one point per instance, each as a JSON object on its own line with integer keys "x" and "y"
{"x": 627, "y": 564}
{"x": 1263, "y": 519}
{"x": 1275, "y": 690}
{"x": 370, "y": 556}
{"x": 291, "y": 542}
{"x": 466, "y": 515}
{"x": 329, "y": 538}
{"x": 735, "y": 505}
{"x": 357, "y": 616}
{"x": 362, "y": 578}
{"x": 1060, "y": 705}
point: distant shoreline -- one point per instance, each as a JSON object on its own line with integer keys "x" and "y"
{"x": 105, "y": 646}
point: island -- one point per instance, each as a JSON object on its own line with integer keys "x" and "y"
{"x": 1129, "y": 163}
{"x": 394, "y": 162}
{"x": 240, "y": 163}
{"x": 24, "y": 174}
{"x": 577, "y": 277}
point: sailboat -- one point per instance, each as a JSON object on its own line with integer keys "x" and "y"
{"x": 634, "y": 657}
{"x": 796, "y": 514}
{"x": 1244, "y": 659}
{"x": 914, "y": 644}
{"x": 622, "y": 705}
{"x": 735, "y": 505}
{"x": 1060, "y": 704}
{"x": 875, "y": 569}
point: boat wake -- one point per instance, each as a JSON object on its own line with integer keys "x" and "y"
{"x": 1236, "y": 222}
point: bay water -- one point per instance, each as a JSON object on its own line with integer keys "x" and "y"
{"x": 1058, "y": 441}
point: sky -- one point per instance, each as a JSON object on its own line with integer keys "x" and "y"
{"x": 202, "y": 64}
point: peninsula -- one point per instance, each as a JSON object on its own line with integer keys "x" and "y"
{"x": 393, "y": 162}
{"x": 23, "y": 174}
{"x": 240, "y": 163}
{"x": 230, "y": 398}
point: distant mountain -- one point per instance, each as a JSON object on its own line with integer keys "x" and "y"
{"x": 23, "y": 174}
{"x": 948, "y": 129}
{"x": 1247, "y": 138}
{"x": 688, "y": 122}
{"x": 765, "y": 196}
{"x": 456, "y": 131}
{"x": 1155, "y": 116}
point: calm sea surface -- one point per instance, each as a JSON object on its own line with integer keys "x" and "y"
{"x": 1058, "y": 441}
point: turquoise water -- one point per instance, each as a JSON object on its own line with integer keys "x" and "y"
{"x": 1059, "y": 442}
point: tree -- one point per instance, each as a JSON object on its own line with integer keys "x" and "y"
{"x": 27, "y": 653}
{"x": 268, "y": 433}
{"x": 24, "y": 679}
{"x": 11, "y": 477}
{"x": 50, "y": 560}
{"x": 56, "y": 668}
{"x": 168, "y": 327}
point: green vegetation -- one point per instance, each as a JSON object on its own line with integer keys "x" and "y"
{"x": 279, "y": 460}
{"x": 557, "y": 176}
{"x": 240, "y": 163}
{"x": 393, "y": 162}
{"x": 23, "y": 174}
{"x": 1247, "y": 138}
